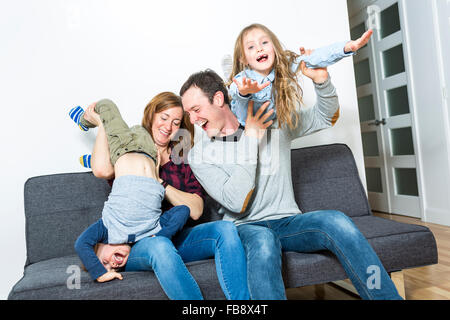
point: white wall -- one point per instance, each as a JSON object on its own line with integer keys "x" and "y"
{"x": 429, "y": 51}
{"x": 58, "y": 54}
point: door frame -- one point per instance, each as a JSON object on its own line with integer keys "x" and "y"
{"x": 377, "y": 88}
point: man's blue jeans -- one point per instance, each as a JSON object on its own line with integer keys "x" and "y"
{"x": 310, "y": 232}
{"x": 217, "y": 239}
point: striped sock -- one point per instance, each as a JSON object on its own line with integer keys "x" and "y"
{"x": 85, "y": 161}
{"x": 75, "y": 114}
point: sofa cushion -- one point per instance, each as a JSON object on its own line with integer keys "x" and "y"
{"x": 48, "y": 280}
{"x": 398, "y": 245}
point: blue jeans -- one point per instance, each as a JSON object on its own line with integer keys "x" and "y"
{"x": 310, "y": 232}
{"x": 217, "y": 239}
{"x": 173, "y": 220}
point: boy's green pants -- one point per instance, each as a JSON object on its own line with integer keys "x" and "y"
{"x": 121, "y": 138}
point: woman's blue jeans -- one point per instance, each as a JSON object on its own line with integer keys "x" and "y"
{"x": 217, "y": 239}
{"x": 310, "y": 232}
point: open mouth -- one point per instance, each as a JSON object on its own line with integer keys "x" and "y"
{"x": 118, "y": 259}
{"x": 262, "y": 58}
{"x": 202, "y": 124}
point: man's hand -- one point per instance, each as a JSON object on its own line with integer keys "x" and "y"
{"x": 249, "y": 86}
{"x": 255, "y": 125}
{"x": 319, "y": 75}
{"x": 108, "y": 276}
{"x": 355, "y": 45}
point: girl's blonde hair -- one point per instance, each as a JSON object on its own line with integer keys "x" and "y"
{"x": 164, "y": 101}
{"x": 288, "y": 91}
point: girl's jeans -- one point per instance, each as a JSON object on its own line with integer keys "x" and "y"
{"x": 310, "y": 232}
{"x": 217, "y": 239}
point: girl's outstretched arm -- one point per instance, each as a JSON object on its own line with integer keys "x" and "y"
{"x": 355, "y": 45}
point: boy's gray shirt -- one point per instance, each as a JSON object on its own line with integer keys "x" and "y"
{"x": 251, "y": 179}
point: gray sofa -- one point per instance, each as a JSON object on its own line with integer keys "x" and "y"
{"x": 324, "y": 177}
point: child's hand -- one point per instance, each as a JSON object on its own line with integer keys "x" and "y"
{"x": 353, "y": 46}
{"x": 108, "y": 276}
{"x": 304, "y": 51}
{"x": 255, "y": 125}
{"x": 249, "y": 86}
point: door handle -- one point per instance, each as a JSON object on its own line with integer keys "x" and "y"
{"x": 378, "y": 122}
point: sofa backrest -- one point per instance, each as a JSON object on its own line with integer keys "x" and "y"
{"x": 59, "y": 207}
{"x": 326, "y": 177}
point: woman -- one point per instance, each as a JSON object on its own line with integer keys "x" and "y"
{"x": 163, "y": 118}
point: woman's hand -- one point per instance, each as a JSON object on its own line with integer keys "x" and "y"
{"x": 249, "y": 86}
{"x": 319, "y": 75}
{"x": 92, "y": 116}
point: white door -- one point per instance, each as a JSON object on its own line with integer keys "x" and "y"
{"x": 381, "y": 72}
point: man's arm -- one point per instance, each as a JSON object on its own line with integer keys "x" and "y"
{"x": 324, "y": 114}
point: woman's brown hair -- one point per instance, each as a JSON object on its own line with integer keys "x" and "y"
{"x": 164, "y": 101}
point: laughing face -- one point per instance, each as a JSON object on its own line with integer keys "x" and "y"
{"x": 113, "y": 257}
{"x": 203, "y": 113}
{"x": 259, "y": 52}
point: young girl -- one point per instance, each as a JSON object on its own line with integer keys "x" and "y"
{"x": 263, "y": 71}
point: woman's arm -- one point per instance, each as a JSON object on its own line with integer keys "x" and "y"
{"x": 178, "y": 197}
{"x": 100, "y": 162}
{"x": 193, "y": 201}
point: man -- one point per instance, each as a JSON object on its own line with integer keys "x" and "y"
{"x": 248, "y": 171}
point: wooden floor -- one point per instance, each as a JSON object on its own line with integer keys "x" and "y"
{"x": 426, "y": 283}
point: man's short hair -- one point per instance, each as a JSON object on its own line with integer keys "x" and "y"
{"x": 209, "y": 82}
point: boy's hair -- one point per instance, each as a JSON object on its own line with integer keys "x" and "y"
{"x": 209, "y": 82}
{"x": 161, "y": 102}
{"x": 288, "y": 91}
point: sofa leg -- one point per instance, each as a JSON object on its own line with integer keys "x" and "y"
{"x": 396, "y": 277}
{"x": 399, "y": 282}
{"x": 319, "y": 291}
